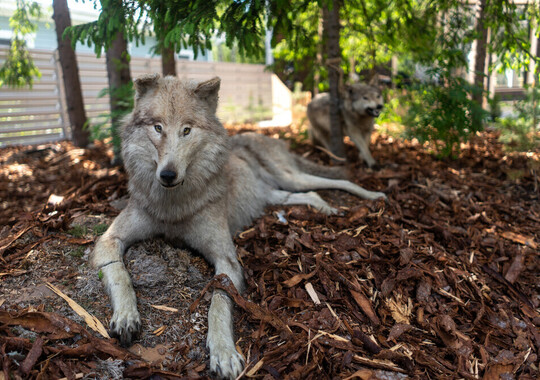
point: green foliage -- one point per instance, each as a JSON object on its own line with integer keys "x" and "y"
{"x": 223, "y": 53}
{"x": 511, "y": 43}
{"x": 521, "y": 132}
{"x": 104, "y": 129}
{"x": 444, "y": 114}
{"x": 78, "y": 230}
{"x": 19, "y": 69}
{"x": 77, "y": 252}
{"x": 99, "y": 229}
{"x": 242, "y": 23}
{"x": 100, "y": 275}
{"x": 494, "y": 104}
{"x": 117, "y": 16}
{"x": 395, "y": 107}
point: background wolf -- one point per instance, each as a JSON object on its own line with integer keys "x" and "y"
{"x": 361, "y": 104}
{"x": 190, "y": 181}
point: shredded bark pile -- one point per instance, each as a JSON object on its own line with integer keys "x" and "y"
{"x": 441, "y": 281}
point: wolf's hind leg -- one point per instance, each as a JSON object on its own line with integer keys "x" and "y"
{"x": 281, "y": 197}
{"x": 128, "y": 227}
{"x": 304, "y": 181}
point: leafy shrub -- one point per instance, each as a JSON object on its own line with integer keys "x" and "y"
{"x": 106, "y": 128}
{"x": 443, "y": 113}
{"x": 521, "y": 132}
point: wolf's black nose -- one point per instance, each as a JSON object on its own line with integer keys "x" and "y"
{"x": 167, "y": 176}
{"x": 379, "y": 107}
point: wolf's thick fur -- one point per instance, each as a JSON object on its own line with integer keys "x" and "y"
{"x": 189, "y": 181}
{"x": 360, "y": 105}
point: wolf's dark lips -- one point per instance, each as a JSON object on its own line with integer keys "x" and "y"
{"x": 170, "y": 186}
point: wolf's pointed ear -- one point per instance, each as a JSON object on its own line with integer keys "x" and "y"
{"x": 208, "y": 90}
{"x": 145, "y": 83}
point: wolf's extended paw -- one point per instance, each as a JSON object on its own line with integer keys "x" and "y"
{"x": 329, "y": 210}
{"x": 125, "y": 326}
{"x": 225, "y": 361}
{"x": 378, "y": 195}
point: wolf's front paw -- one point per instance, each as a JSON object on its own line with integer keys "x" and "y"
{"x": 225, "y": 361}
{"x": 125, "y": 326}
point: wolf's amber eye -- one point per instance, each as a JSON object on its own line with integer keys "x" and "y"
{"x": 187, "y": 130}
{"x": 158, "y": 128}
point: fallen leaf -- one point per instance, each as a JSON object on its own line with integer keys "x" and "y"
{"x": 364, "y": 374}
{"x": 365, "y": 305}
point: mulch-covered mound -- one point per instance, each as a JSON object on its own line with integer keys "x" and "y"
{"x": 442, "y": 281}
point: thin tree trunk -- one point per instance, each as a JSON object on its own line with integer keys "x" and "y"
{"x": 317, "y": 74}
{"x": 331, "y": 29}
{"x": 119, "y": 81}
{"x": 70, "y": 73}
{"x": 536, "y": 70}
{"x": 481, "y": 53}
{"x": 168, "y": 61}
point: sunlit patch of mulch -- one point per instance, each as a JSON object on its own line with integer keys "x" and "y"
{"x": 442, "y": 281}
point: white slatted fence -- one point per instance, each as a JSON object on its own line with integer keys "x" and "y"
{"x": 38, "y": 115}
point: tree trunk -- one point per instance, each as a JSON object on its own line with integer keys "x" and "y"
{"x": 317, "y": 74}
{"x": 331, "y": 29}
{"x": 481, "y": 53}
{"x": 70, "y": 73}
{"x": 119, "y": 82}
{"x": 168, "y": 61}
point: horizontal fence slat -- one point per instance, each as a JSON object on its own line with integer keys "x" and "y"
{"x": 36, "y": 127}
{"x": 31, "y": 139}
{"x": 14, "y": 122}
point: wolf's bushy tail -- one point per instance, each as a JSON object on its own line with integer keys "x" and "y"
{"x": 334, "y": 172}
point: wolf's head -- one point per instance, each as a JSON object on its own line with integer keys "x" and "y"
{"x": 363, "y": 99}
{"x": 173, "y": 137}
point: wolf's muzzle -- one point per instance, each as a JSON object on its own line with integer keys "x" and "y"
{"x": 374, "y": 111}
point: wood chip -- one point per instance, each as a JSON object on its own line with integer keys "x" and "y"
{"x": 255, "y": 368}
{"x": 377, "y": 363}
{"x": 159, "y": 331}
{"x": 77, "y": 376}
{"x": 165, "y": 308}
{"x": 312, "y": 293}
{"x": 90, "y": 320}
{"x": 521, "y": 239}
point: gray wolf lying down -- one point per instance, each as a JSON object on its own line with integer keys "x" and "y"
{"x": 360, "y": 105}
{"x": 190, "y": 181}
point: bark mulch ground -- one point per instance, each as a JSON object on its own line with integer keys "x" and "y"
{"x": 442, "y": 281}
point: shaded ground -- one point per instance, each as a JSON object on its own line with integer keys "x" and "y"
{"x": 440, "y": 282}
